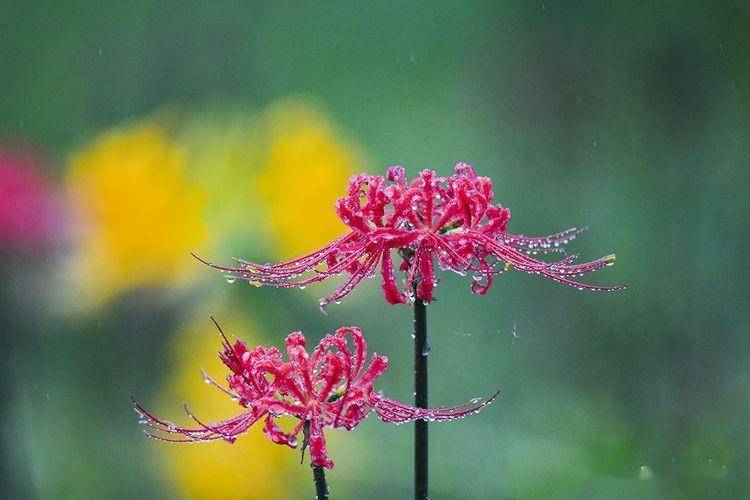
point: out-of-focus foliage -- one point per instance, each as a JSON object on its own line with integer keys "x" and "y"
{"x": 175, "y": 128}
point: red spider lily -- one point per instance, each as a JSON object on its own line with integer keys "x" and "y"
{"x": 450, "y": 220}
{"x": 328, "y": 388}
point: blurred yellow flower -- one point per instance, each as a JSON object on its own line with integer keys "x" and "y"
{"x": 307, "y": 164}
{"x": 252, "y": 467}
{"x": 142, "y": 216}
{"x": 242, "y": 183}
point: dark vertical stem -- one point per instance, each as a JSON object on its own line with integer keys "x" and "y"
{"x": 321, "y": 485}
{"x": 421, "y": 351}
{"x": 319, "y": 473}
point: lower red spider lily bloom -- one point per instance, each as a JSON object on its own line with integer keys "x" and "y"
{"x": 448, "y": 220}
{"x": 328, "y": 388}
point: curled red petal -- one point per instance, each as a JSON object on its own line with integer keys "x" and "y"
{"x": 390, "y": 288}
{"x": 378, "y": 364}
{"x": 276, "y": 435}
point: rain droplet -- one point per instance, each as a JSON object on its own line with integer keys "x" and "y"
{"x": 426, "y": 348}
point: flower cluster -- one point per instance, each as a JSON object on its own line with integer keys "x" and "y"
{"x": 451, "y": 221}
{"x": 328, "y": 388}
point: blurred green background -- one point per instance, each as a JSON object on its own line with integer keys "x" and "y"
{"x": 228, "y": 128}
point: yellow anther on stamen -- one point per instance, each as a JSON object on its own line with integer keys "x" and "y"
{"x": 609, "y": 260}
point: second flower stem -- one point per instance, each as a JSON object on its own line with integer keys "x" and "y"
{"x": 421, "y": 352}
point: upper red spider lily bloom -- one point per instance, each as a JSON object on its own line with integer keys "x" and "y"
{"x": 328, "y": 388}
{"x": 448, "y": 220}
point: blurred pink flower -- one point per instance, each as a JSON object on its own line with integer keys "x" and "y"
{"x": 28, "y": 216}
{"x": 330, "y": 387}
{"x": 450, "y": 220}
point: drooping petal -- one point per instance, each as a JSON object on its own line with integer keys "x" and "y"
{"x": 426, "y": 275}
{"x": 390, "y": 288}
{"x": 276, "y": 435}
